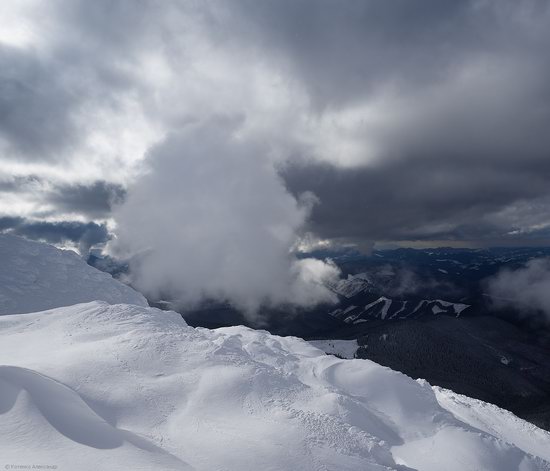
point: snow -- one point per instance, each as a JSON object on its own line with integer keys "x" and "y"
{"x": 352, "y": 285}
{"x": 387, "y": 303}
{"x": 348, "y": 309}
{"x": 340, "y": 348}
{"x": 450, "y": 261}
{"x": 339, "y": 312}
{"x": 400, "y": 310}
{"x": 99, "y": 386}
{"x": 458, "y": 307}
{"x": 419, "y": 305}
{"x": 496, "y": 422}
{"x": 36, "y": 276}
{"x": 437, "y": 310}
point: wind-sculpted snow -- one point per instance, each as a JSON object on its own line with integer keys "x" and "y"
{"x": 97, "y": 386}
{"x": 36, "y": 276}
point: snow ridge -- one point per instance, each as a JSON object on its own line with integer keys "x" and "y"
{"x": 385, "y": 308}
{"x": 35, "y": 276}
{"x": 127, "y": 387}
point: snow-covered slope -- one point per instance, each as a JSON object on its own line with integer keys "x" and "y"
{"x": 352, "y": 285}
{"x": 383, "y": 308}
{"x": 118, "y": 387}
{"x": 36, "y": 276}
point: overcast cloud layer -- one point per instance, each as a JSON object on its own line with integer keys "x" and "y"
{"x": 414, "y": 123}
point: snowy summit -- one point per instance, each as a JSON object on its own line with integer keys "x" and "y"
{"x": 117, "y": 387}
{"x": 36, "y": 276}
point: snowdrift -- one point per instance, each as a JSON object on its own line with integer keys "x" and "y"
{"x": 119, "y": 387}
{"x": 36, "y": 276}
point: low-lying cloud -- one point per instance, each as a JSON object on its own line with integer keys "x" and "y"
{"x": 211, "y": 219}
{"x": 526, "y": 289}
{"x": 406, "y": 282}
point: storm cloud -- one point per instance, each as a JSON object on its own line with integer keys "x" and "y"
{"x": 425, "y": 199}
{"x": 82, "y": 235}
{"x": 95, "y": 200}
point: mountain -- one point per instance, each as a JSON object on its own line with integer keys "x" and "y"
{"x": 425, "y": 313}
{"x": 383, "y": 308}
{"x": 99, "y": 386}
{"x": 483, "y": 357}
{"x": 36, "y": 276}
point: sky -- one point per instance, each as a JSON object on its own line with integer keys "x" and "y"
{"x": 196, "y": 130}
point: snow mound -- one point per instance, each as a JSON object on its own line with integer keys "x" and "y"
{"x": 35, "y": 276}
{"x": 98, "y": 386}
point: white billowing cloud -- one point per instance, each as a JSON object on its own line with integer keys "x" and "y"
{"x": 526, "y": 289}
{"x": 17, "y": 30}
{"x": 213, "y": 220}
{"x": 310, "y": 277}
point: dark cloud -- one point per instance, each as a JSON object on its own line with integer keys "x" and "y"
{"x": 18, "y": 184}
{"x": 35, "y": 109}
{"x": 10, "y": 222}
{"x": 437, "y": 112}
{"x": 50, "y": 95}
{"x": 84, "y": 235}
{"x": 464, "y": 153}
{"x": 426, "y": 199}
{"x": 345, "y": 51}
{"x": 95, "y": 200}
